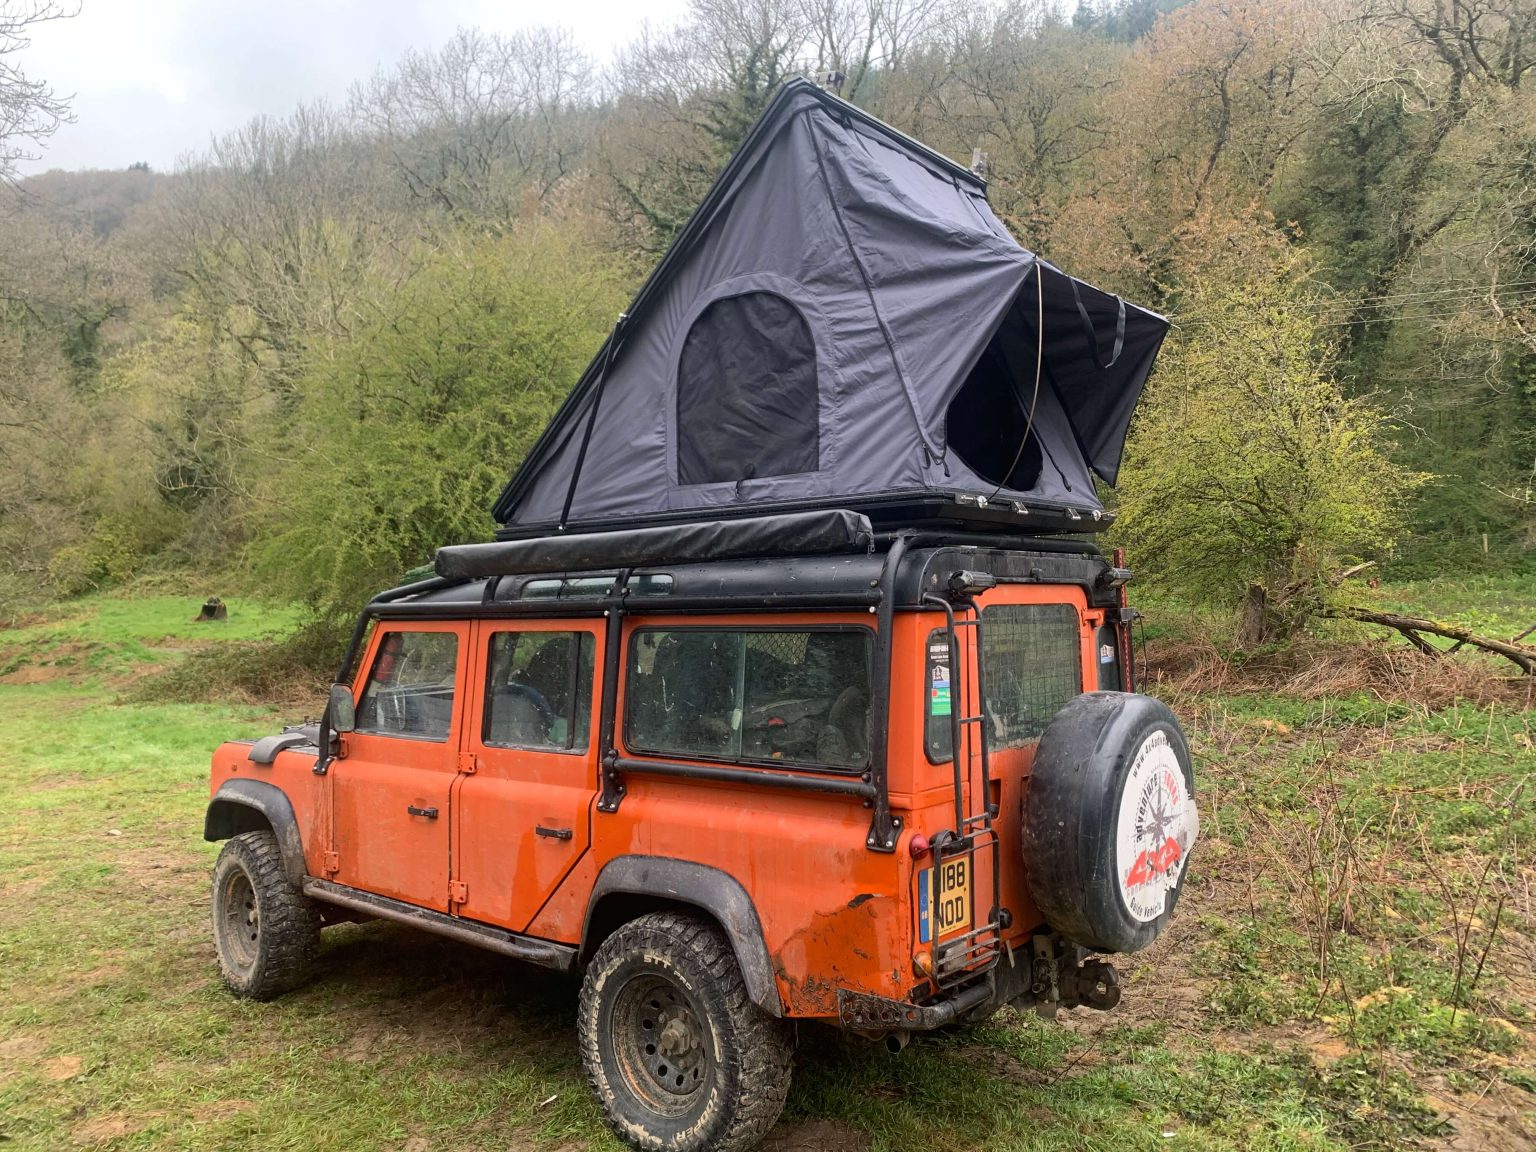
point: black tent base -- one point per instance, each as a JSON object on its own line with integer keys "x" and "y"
{"x": 939, "y": 511}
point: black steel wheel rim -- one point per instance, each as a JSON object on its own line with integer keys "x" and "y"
{"x": 661, "y": 1043}
{"x": 240, "y": 919}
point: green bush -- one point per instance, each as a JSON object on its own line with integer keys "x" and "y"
{"x": 1247, "y": 466}
{"x": 408, "y": 428}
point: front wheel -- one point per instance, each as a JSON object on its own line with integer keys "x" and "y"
{"x": 677, "y": 1055}
{"x": 266, "y": 931}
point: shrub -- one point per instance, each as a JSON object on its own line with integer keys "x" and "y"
{"x": 1249, "y": 474}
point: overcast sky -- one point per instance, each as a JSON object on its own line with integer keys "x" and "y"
{"x": 153, "y": 79}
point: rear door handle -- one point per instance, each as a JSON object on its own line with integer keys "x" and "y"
{"x": 429, "y": 813}
{"x": 553, "y": 833}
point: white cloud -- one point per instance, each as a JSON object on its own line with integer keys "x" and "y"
{"x": 154, "y": 79}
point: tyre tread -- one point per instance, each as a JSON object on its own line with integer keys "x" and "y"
{"x": 764, "y": 1046}
{"x": 290, "y": 921}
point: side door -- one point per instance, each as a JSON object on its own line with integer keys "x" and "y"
{"x": 390, "y": 790}
{"x": 522, "y": 814}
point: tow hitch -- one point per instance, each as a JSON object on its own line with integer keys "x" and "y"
{"x": 1066, "y": 976}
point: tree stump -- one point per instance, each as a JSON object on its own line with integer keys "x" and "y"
{"x": 213, "y": 609}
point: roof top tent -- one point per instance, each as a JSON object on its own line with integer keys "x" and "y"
{"x": 844, "y": 323}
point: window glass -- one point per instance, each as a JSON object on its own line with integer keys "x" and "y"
{"x": 747, "y": 402}
{"x": 938, "y": 684}
{"x": 1111, "y": 679}
{"x": 1033, "y": 666}
{"x": 1033, "y": 663}
{"x": 801, "y": 697}
{"x": 410, "y": 689}
{"x": 539, "y": 690}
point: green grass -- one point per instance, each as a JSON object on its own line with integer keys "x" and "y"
{"x": 1349, "y": 829}
{"x": 124, "y": 636}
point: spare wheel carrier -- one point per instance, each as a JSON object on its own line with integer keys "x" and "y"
{"x": 1109, "y": 820}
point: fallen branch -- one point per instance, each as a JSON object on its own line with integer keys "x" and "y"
{"x": 1513, "y": 639}
{"x": 1523, "y": 655}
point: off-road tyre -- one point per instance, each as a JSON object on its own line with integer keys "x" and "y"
{"x": 266, "y": 931}
{"x": 1110, "y": 787}
{"x": 669, "y": 970}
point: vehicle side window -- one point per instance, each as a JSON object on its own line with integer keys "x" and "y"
{"x": 938, "y": 730}
{"x": 1033, "y": 664}
{"x": 410, "y": 688}
{"x": 538, "y": 690}
{"x": 797, "y": 697}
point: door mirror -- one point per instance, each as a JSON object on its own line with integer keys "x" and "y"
{"x": 343, "y": 712}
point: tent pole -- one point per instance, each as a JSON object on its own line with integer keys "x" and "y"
{"x": 597, "y": 399}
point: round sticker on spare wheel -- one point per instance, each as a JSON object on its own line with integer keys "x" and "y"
{"x": 1158, "y": 826}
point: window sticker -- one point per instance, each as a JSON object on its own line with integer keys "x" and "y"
{"x": 938, "y": 679}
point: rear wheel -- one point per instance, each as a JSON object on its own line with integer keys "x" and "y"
{"x": 676, "y": 1053}
{"x": 266, "y": 931}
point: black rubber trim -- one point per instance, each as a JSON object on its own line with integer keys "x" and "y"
{"x": 713, "y": 892}
{"x": 234, "y": 797}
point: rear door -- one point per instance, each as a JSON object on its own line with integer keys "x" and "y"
{"x": 522, "y": 807}
{"x": 390, "y": 790}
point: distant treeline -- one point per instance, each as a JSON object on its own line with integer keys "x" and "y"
{"x": 316, "y": 352}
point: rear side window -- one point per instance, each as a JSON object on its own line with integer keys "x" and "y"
{"x": 938, "y": 729}
{"x": 1032, "y": 661}
{"x": 791, "y": 696}
{"x": 538, "y": 690}
{"x": 410, "y": 687}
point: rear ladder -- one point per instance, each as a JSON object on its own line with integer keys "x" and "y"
{"x": 960, "y": 958}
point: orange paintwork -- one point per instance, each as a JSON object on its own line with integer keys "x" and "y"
{"x": 834, "y": 914}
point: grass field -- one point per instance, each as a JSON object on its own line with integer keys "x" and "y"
{"x": 1354, "y": 965}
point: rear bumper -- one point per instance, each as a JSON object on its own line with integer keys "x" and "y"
{"x": 861, "y": 1012}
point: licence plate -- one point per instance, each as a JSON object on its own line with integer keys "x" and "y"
{"x": 951, "y": 902}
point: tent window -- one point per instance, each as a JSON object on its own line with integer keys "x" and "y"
{"x": 987, "y": 422}
{"x": 747, "y": 403}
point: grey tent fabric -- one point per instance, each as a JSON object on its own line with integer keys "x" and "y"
{"x": 843, "y": 323}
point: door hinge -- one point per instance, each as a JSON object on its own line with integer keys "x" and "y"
{"x": 332, "y": 862}
{"x": 468, "y": 763}
{"x": 343, "y": 746}
{"x": 458, "y": 892}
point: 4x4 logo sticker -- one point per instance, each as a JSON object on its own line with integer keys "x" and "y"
{"x": 1157, "y": 827}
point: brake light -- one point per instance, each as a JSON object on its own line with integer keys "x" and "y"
{"x": 918, "y": 846}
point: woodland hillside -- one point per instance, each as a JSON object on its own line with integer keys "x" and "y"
{"x": 315, "y": 352}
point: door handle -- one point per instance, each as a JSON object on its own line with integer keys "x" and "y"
{"x": 429, "y": 813}
{"x": 553, "y": 833}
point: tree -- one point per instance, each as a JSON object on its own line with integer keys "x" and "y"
{"x": 1250, "y": 479}
{"x": 474, "y": 124}
{"x": 30, "y": 110}
{"x": 408, "y": 426}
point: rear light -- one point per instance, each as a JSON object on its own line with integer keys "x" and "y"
{"x": 918, "y": 846}
{"x": 922, "y": 964}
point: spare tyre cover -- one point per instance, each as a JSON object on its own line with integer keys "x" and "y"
{"x": 1109, "y": 820}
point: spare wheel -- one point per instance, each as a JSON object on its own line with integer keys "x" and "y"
{"x": 1109, "y": 820}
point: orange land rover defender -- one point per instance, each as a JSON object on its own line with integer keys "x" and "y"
{"x": 741, "y": 774}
